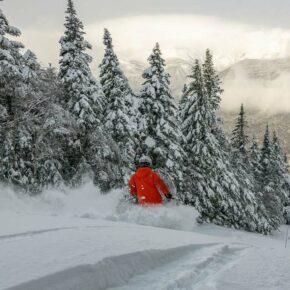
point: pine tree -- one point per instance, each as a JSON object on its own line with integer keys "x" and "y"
{"x": 192, "y": 97}
{"x": 182, "y": 103}
{"x": 15, "y": 151}
{"x": 120, "y": 117}
{"x": 160, "y": 133}
{"x": 51, "y": 85}
{"x": 287, "y": 205}
{"x": 213, "y": 90}
{"x": 111, "y": 75}
{"x": 239, "y": 156}
{"x": 281, "y": 173}
{"x": 83, "y": 95}
{"x": 212, "y": 83}
{"x": 218, "y": 196}
{"x": 270, "y": 196}
{"x": 240, "y": 163}
{"x": 10, "y": 64}
{"x": 196, "y": 123}
{"x": 30, "y": 71}
{"x": 239, "y": 138}
{"x": 256, "y": 172}
{"x": 84, "y": 99}
{"x": 106, "y": 163}
{"x": 254, "y": 158}
{"x": 47, "y": 151}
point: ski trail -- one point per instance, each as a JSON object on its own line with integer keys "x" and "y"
{"x": 114, "y": 271}
{"x": 50, "y": 230}
{"x": 191, "y": 272}
{"x": 186, "y": 267}
{"x": 34, "y": 233}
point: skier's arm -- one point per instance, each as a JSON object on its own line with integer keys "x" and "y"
{"x": 161, "y": 185}
{"x": 132, "y": 186}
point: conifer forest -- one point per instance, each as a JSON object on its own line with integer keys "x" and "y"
{"x": 62, "y": 126}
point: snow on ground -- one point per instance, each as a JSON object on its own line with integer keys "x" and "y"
{"x": 82, "y": 240}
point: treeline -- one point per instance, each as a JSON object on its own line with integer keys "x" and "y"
{"x": 59, "y": 128}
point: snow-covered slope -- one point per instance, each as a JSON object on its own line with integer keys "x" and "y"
{"x": 81, "y": 240}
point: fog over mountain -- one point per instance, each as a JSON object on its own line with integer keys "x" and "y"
{"x": 260, "y": 84}
{"x": 178, "y": 69}
{"x": 263, "y": 86}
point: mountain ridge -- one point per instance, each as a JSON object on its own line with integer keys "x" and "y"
{"x": 262, "y": 72}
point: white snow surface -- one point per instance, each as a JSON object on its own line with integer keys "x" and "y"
{"x": 80, "y": 239}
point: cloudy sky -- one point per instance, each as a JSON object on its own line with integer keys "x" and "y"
{"x": 233, "y": 29}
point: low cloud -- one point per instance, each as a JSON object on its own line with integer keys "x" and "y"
{"x": 270, "y": 96}
{"x": 187, "y": 37}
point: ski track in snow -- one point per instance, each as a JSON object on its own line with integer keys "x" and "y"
{"x": 191, "y": 272}
{"x": 193, "y": 264}
{"x": 39, "y": 232}
{"x": 33, "y": 233}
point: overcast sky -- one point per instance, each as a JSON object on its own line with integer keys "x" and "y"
{"x": 233, "y": 29}
{"x": 29, "y": 13}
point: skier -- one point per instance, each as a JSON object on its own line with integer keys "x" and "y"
{"x": 146, "y": 184}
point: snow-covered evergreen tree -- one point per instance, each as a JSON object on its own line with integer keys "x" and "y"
{"x": 83, "y": 95}
{"x": 239, "y": 143}
{"x": 15, "y": 151}
{"x": 256, "y": 172}
{"x": 106, "y": 162}
{"x": 255, "y": 165}
{"x": 240, "y": 163}
{"x": 84, "y": 99}
{"x": 30, "y": 72}
{"x": 219, "y": 197}
{"x": 212, "y": 83}
{"x": 51, "y": 85}
{"x": 270, "y": 196}
{"x": 48, "y": 143}
{"x": 240, "y": 140}
{"x": 182, "y": 103}
{"x": 239, "y": 152}
{"x": 111, "y": 74}
{"x": 10, "y": 65}
{"x": 159, "y": 126}
{"x": 120, "y": 114}
{"x": 281, "y": 173}
{"x": 213, "y": 91}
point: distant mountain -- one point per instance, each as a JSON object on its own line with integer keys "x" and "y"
{"x": 177, "y": 68}
{"x": 133, "y": 70}
{"x": 263, "y": 72}
{"x": 267, "y": 77}
{"x": 257, "y": 69}
{"x": 257, "y": 122}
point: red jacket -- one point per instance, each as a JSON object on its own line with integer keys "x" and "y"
{"x": 147, "y": 185}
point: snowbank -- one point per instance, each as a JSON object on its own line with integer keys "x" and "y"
{"x": 88, "y": 202}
